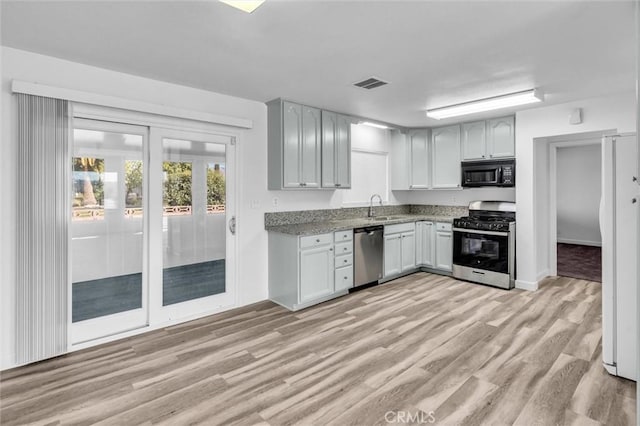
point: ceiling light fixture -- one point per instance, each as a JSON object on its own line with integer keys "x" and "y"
{"x": 487, "y": 104}
{"x": 244, "y": 5}
{"x": 376, "y": 125}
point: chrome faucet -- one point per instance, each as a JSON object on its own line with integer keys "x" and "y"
{"x": 371, "y": 212}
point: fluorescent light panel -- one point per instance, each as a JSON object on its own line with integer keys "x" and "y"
{"x": 376, "y": 125}
{"x": 244, "y": 5}
{"x": 488, "y": 104}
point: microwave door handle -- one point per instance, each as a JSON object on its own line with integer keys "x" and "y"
{"x": 499, "y": 177}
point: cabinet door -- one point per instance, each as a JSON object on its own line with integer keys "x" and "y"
{"x": 446, "y": 157}
{"x": 425, "y": 244}
{"x": 501, "y": 137}
{"x": 310, "y": 147}
{"x": 316, "y": 273}
{"x": 474, "y": 145}
{"x": 344, "y": 278}
{"x": 408, "y": 250}
{"x": 400, "y": 158}
{"x": 444, "y": 250}
{"x": 419, "y": 159}
{"x": 392, "y": 255}
{"x": 292, "y": 136}
{"x": 343, "y": 151}
{"x": 329, "y": 125}
{"x": 419, "y": 238}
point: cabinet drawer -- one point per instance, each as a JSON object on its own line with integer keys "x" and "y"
{"x": 344, "y": 278}
{"x": 443, "y": 226}
{"x": 344, "y": 260}
{"x": 400, "y": 227}
{"x": 341, "y": 236}
{"x": 316, "y": 240}
{"x": 344, "y": 248}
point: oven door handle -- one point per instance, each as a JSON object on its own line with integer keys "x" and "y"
{"x": 478, "y": 231}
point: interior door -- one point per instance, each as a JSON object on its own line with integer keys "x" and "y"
{"x": 193, "y": 222}
{"x": 108, "y": 243}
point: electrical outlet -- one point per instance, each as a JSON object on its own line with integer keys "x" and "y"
{"x": 275, "y": 201}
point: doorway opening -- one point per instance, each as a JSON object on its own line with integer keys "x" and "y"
{"x": 578, "y": 192}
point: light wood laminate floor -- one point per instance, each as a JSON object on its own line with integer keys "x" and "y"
{"x": 425, "y": 346}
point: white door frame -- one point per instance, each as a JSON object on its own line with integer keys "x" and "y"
{"x": 106, "y": 325}
{"x": 191, "y": 309}
{"x": 554, "y": 145}
{"x": 164, "y": 125}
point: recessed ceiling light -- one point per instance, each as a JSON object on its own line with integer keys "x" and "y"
{"x": 376, "y": 125}
{"x": 487, "y": 104}
{"x": 244, "y": 5}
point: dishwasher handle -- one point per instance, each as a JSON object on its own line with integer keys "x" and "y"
{"x": 369, "y": 229}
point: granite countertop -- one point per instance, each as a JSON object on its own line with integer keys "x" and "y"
{"x": 312, "y": 228}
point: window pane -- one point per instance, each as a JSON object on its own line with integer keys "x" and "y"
{"x": 194, "y": 242}
{"x": 106, "y": 252}
{"x": 133, "y": 178}
{"x": 88, "y": 188}
{"x": 216, "y": 186}
{"x": 176, "y": 197}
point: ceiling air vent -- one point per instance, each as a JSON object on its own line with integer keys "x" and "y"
{"x": 370, "y": 83}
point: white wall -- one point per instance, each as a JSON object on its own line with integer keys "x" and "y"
{"x": 533, "y": 126}
{"x": 578, "y": 194}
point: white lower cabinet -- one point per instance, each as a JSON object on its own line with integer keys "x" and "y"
{"x": 399, "y": 248}
{"x": 318, "y": 272}
{"x": 444, "y": 247}
{"x": 392, "y": 255}
{"x": 408, "y": 252}
{"x": 425, "y": 244}
{"x": 434, "y": 245}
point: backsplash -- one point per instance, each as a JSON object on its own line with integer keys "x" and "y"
{"x": 454, "y": 211}
{"x": 308, "y": 216}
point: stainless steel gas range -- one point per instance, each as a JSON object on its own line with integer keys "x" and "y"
{"x": 484, "y": 244}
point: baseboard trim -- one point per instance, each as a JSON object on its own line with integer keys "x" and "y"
{"x": 527, "y": 285}
{"x": 580, "y": 242}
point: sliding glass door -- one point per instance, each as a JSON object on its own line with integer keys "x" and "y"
{"x": 152, "y": 227}
{"x": 108, "y": 248}
{"x": 196, "y": 209}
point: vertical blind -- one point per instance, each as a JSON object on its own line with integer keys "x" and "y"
{"x": 43, "y": 194}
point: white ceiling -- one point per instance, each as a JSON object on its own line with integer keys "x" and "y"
{"x": 432, "y": 53}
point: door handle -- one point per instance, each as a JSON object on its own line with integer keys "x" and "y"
{"x": 232, "y": 225}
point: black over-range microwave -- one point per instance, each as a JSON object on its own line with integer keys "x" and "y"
{"x": 489, "y": 173}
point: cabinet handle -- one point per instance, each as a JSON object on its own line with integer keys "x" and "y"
{"x": 345, "y": 277}
{"x": 331, "y": 249}
{"x": 318, "y": 240}
{"x": 345, "y": 261}
{"x": 338, "y": 184}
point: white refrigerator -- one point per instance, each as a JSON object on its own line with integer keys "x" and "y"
{"x": 619, "y": 227}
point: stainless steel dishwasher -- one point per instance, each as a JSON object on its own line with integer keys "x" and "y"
{"x": 368, "y": 249}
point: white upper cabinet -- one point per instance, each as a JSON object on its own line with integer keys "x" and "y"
{"x": 488, "y": 139}
{"x": 419, "y": 170}
{"x": 501, "y": 137}
{"x": 294, "y": 139}
{"x": 474, "y": 141}
{"x": 310, "y": 147}
{"x": 446, "y": 157}
{"x": 336, "y": 150}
